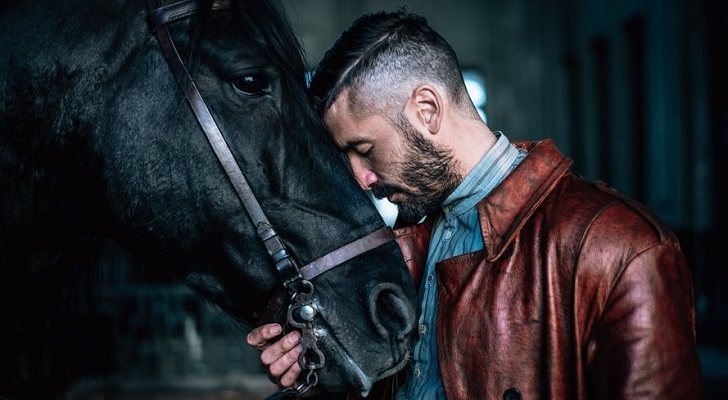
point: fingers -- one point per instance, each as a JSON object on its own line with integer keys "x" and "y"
{"x": 260, "y": 336}
{"x": 286, "y": 369}
{"x": 289, "y": 378}
{"x": 280, "y": 357}
{"x": 280, "y": 348}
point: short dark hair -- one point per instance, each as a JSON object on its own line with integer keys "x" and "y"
{"x": 381, "y": 53}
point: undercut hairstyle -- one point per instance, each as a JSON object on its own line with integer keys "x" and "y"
{"x": 380, "y": 60}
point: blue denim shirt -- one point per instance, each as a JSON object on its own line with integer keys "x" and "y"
{"x": 455, "y": 232}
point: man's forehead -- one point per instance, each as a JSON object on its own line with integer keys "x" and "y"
{"x": 349, "y": 128}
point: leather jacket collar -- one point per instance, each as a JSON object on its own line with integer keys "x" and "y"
{"x": 506, "y": 209}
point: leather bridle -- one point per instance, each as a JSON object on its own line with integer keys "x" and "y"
{"x": 297, "y": 280}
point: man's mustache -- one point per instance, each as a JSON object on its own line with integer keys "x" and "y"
{"x": 382, "y": 190}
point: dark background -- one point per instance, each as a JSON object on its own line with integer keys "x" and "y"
{"x": 635, "y": 91}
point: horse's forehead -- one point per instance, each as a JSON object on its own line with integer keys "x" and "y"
{"x": 229, "y": 32}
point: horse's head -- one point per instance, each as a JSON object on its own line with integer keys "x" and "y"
{"x": 151, "y": 181}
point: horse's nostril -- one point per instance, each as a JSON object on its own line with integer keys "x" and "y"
{"x": 391, "y": 314}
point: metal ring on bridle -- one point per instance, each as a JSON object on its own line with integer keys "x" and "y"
{"x": 311, "y": 381}
{"x": 303, "y": 388}
{"x": 306, "y": 287}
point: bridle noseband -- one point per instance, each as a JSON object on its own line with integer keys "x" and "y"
{"x": 297, "y": 280}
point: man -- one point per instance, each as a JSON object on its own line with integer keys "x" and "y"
{"x": 533, "y": 282}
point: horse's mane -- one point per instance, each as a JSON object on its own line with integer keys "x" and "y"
{"x": 283, "y": 47}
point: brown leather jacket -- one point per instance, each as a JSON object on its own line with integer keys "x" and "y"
{"x": 579, "y": 293}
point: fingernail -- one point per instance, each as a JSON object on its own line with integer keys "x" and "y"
{"x": 275, "y": 330}
{"x": 299, "y": 349}
{"x": 293, "y": 337}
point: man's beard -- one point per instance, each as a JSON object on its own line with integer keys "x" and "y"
{"x": 428, "y": 170}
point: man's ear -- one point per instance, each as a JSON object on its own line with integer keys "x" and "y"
{"x": 428, "y": 107}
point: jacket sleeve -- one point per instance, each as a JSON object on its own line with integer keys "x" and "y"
{"x": 643, "y": 343}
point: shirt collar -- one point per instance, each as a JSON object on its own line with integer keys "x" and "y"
{"x": 487, "y": 173}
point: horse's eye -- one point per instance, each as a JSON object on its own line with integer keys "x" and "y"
{"x": 252, "y": 83}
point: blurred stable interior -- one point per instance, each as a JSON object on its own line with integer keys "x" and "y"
{"x": 636, "y": 91}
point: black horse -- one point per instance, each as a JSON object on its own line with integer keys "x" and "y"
{"x": 96, "y": 140}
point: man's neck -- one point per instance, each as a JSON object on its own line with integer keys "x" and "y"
{"x": 471, "y": 141}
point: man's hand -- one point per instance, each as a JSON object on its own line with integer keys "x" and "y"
{"x": 279, "y": 357}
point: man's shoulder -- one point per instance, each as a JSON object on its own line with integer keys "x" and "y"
{"x": 576, "y": 204}
{"x": 603, "y": 232}
{"x": 599, "y": 210}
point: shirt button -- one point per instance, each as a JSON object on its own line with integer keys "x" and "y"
{"x": 423, "y": 328}
{"x": 417, "y": 372}
{"x": 448, "y": 233}
{"x": 430, "y": 278}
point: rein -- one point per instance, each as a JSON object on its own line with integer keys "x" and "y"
{"x": 296, "y": 280}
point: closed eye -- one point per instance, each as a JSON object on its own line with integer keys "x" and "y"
{"x": 365, "y": 152}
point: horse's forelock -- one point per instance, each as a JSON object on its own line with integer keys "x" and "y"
{"x": 268, "y": 20}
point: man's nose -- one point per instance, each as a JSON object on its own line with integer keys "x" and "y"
{"x": 363, "y": 174}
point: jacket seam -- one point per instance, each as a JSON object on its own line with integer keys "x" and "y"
{"x": 621, "y": 270}
{"x": 615, "y": 281}
{"x": 638, "y": 208}
{"x": 588, "y": 227}
{"x": 590, "y": 224}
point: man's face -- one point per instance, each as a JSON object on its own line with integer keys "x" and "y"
{"x": 395, "y": 161}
